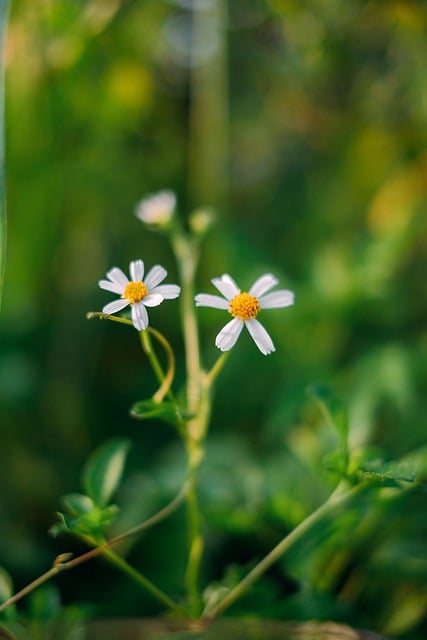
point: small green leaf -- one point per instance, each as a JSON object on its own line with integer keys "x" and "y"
{"x": 92, "y": 524}
{"x": 146, "y": 409}
{"x": 104, "y": 470}
{"x": 333, "y": 411}
{"x": 77, "y": 504}
{"x": 391, "y": 474}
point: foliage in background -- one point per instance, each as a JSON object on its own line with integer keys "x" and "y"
{"x": 324, "y": 160}
{"x": 3, "y": 23}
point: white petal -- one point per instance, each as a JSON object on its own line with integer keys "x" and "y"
{"x": 167, "y": 291}
{"x": 226, "y": 285}
{"x": 228, "y": 335}
{"x": 111, "y": 286}
{"x": 136, "y": 269}
{"x": 117, "y": 305}
{"x": 277, "y": 299}
{"x": 155, "y": 276}
{"x": 263, "y": 284}
{"x": 260, "y": 336}
{"x": 139, "y": 316}
{"x": 152, "y": 300}
{"x": 116, "y": 275}
{"x": 208, "y": 300}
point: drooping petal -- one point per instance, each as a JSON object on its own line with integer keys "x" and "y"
{"x": 209, "y": 300}
{"x": 152, "y": 300}
{"x": 139, "y": 316}
{"x": 227, "y": 337}
{"x": 116, "y": 305}
{"x": 260, "y": 337}
{"x": 226, "y": 285}
{"x": 116, "y": 275}
{"x": 155, "y": 276}
{"x": 108, "y": 285}
{"x": 263, "y": 284}
{"x": 167, "y": 291}
{"x": 136, "y": 269}
{"x": 277, "y": 299}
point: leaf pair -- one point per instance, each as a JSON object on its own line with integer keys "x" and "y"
{"x": 89, "y": 514}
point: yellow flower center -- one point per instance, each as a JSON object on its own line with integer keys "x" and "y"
{"x": 244, "y": 306}
{"x": 135, "y": 292}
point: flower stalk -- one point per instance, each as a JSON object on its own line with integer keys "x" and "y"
{"x": 339, "y": 496}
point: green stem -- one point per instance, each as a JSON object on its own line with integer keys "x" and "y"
{"x": 195, "y": 551}
{"x": 217, "y": 367}
{"x": 164, "y": 379}
{"x": 196, "y": 433}
{"x": 62, "y": 562}
{"x": 106, "y": 316}
{"x": 186, "y": 254}
{"x": 142, "y": 581}
{"x": 337, "y": 497}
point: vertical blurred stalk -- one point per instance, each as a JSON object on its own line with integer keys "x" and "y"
{"x": 208, "y": 119}
{"x": 4, "y": 4}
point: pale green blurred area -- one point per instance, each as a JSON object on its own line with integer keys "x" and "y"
{"x": 305, "y": 125}
{"x": 3, "y": 23}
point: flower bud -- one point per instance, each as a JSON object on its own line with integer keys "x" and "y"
{"x": 201, "y": 220}
{"x": 157, "y": 210}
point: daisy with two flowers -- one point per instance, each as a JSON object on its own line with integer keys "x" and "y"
{"x": 243, "y": 306}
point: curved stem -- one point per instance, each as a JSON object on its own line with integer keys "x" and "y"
{"x": 106, "y": 316}
{"x": 337, "y": 497}
{"x": 61, "y": 565}
{"x": 165, "y": 379}
{"x": 156, "y": 518}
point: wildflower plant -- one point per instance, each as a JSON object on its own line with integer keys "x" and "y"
{"x": 88, "y": 515}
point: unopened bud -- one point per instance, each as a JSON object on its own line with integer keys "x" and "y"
{"x": 157, "y": 210}
{"x": 201, "y": 220}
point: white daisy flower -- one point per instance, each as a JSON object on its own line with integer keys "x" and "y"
{"x": 137, "y": 292}
{"x": 245, "y": 307}
{"x": 157, "y": 209}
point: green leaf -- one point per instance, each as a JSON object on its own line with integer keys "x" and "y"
{"x": 333, "y": 411}
{"x": 392, "y": 474}
{"x": 77, "y": 504}
{"x": 104, "y": 470}
{"x": 147, "y": 409}
{"x": 92, "y": 524}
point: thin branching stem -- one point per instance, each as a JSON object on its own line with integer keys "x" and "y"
{"x": 102, "y": 549}
{"x": 339, "y": 495}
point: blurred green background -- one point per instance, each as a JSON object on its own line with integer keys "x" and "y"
{"x": 305, "y": 125}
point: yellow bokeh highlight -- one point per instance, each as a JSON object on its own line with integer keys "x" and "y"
{"x": 130, "y": 85}
{"x": 396, "y": 201}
